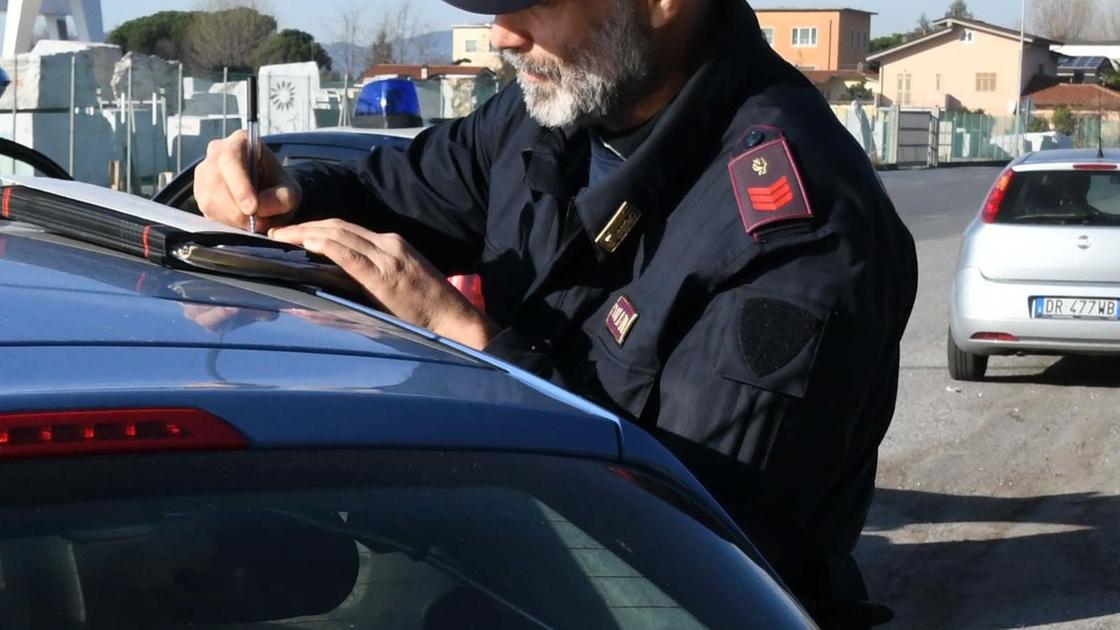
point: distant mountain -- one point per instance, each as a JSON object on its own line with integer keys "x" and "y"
{"x": 427, "y": 48}
{"x": 338, "y": 52}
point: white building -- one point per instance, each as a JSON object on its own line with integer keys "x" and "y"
{"x": 21, "y": 16}
{"x": 1108, "y": 50}
{"x": 471, "y": 42}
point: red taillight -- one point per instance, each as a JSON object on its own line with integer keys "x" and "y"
{"x": 471, "y": 287}
{"x": 991, "y": 336}
{"x": 114, "y": 431}
{"x": 995, "y": 197}
{"x": 1094, "y": 167}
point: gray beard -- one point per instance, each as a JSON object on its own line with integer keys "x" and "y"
{"x": 598, "y": 82}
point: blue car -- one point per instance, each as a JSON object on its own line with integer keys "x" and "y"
{"x": 217, "y": 449}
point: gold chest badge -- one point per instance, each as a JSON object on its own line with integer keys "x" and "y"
{"x": 618, "y": 228}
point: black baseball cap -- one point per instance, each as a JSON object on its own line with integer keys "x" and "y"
{"x": 492, "y": 7}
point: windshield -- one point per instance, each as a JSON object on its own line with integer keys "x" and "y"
{"x": 363, "y": 539}
{"x": 1063, "y": 197}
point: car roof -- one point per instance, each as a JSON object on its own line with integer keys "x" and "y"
{"x": 108, "y": 310}
{"x": 84, "y": 327}
{"x": 1070, "y": 156}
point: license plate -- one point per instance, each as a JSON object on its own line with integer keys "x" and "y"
{"x": 1076, "y": 308}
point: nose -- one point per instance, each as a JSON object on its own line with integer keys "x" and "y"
{"x": 509, "y": 34}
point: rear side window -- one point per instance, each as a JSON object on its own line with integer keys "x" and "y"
{"x": 1062, "y": 198}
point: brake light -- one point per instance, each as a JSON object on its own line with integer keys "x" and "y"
{"x": 1094, "y": 167}
{"x": 991, "y": 336}
{"x": 99, "y": 432}
{"x": 995, "y": 197}
{"x": 471, "y": 287}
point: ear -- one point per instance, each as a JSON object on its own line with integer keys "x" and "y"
{"x": 662, "y": 13}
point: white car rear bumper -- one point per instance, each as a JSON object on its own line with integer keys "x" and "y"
{"x": 981, "y": 305}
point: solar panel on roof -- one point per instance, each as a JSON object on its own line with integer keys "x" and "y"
{"x": 1081, "y": 63}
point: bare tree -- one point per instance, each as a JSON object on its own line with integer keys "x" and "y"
{"x": 353, "y": 34}
{"x": 399, "y": 37}
{"x": 959, "y": 9}
{"x": 226, "y": 33}
{"x": 382, "y": 50}
{"x": 1063, "y": 20}
{"x": 924, "y": 27}
{"x": 1111, "y": 10}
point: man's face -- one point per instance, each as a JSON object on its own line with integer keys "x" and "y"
{"x": 577, "y": 61}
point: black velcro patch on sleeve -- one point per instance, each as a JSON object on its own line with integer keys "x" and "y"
{"x": 774, "y": 332}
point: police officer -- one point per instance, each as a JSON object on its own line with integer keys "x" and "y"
{"x": 667, "y": 219}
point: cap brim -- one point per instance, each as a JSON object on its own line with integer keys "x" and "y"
{"x": 492, "y": 7}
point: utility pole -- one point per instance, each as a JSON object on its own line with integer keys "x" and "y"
{"x": 225, "y": 100}
{"x": 179, "y": 136}
{"x": 1019, "y": 84}
{"x": 128, "y": 135}
{"x": 73, "y": 105}
{"x": 15, "y": 104}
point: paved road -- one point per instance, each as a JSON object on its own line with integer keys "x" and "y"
{"x": 998, "y": 503}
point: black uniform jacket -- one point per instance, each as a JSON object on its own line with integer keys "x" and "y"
{"x": 751, "y": 309}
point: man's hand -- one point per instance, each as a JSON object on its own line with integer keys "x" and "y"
{"x": 225, "y": 193}
{"x": 396, "y": 276}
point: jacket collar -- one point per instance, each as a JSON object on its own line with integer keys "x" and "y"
{"x": 686, "y": 138}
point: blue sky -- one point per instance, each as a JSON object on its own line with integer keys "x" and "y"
{"x": 316, "y": 16}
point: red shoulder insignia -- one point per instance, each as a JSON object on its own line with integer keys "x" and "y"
{"x": 768, "y": 186}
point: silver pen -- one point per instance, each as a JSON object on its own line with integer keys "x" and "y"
{"x": 254, "y": 145}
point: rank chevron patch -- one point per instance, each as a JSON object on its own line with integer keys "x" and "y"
{"x": 771, "y": 198}
{"x": 768, "y": 186}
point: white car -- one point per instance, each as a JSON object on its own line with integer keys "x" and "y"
{"x": 1039, "y": 269}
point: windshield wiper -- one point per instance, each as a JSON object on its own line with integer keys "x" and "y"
{"x": 426, "y": 555}
{"x": 266, "y": 263}
{"x": 1060, "y": 217}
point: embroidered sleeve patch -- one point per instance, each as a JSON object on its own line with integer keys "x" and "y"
{"x": 768, "y": 186}
{"x": 621, "y": 319}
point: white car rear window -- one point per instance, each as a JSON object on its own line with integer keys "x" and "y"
{"x": 1063, "y": 197}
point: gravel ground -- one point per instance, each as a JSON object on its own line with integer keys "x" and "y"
{"x": 999, "y": 502}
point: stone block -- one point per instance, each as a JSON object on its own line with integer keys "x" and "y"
{"x": 41, "y": 79}
{"x": 149, "y": 74}
{"x": 288, "y": 96}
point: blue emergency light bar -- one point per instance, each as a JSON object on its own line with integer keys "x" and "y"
{"x": 388, "y": 104}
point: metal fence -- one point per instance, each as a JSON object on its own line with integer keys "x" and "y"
{"x": 132, "y": 123}
{"x": 1089, "y": 130}
{"x": 873, "y": 127}
{"x": 974, "y": 137}
{"x": 902, "y": 137}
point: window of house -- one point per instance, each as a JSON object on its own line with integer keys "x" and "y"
{"x": 472, "y": 46}
{"x": 985, "y": 82}
{"x": 854, "y": 38}
{"x": 805, "y": 36}
{"x": 903, "y": 88}
{"x": 768, "y": 33}
{"x": 968, "y": 36}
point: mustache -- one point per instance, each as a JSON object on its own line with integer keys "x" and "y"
{"x": 523, "y": 63}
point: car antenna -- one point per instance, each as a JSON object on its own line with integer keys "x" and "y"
{"x": 1100, "y": 127}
